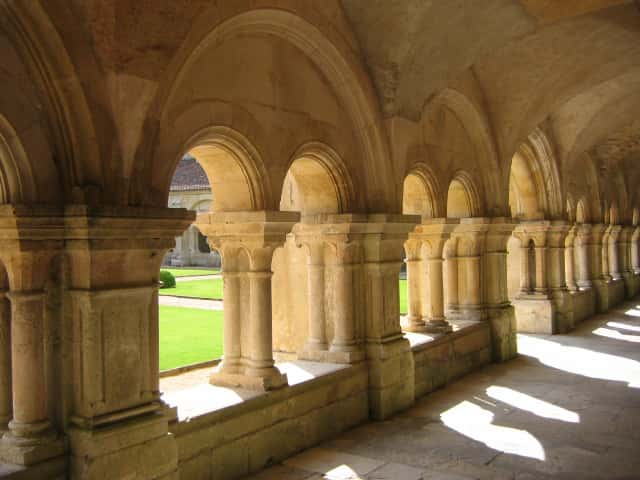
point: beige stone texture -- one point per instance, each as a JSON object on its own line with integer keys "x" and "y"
{"x": 489, "y": 150}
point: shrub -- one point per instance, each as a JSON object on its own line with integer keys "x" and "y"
{"x": 167, "y": 280}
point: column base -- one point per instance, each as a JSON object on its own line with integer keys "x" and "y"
{"x": 136, "y": 448}
{"x": 250, "y": 382}
{"x": 534, "y": 315}
{"x": 30, "y": 450}
{"x": 414, "y": 324}
{"x": 391, "y": 377}
{"x": 504, "y": 344}
{"x": 437, "y": 326}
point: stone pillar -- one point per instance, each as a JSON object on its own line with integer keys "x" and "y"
{"x": 541, "y": 270}
{"x": 317, "y": 340}
{"x": 525, "y": 274}
{"x": 569, "y": 263}
{"x": 599, "y": 276}
{"x": 415, "y": 288}
{"x": 32, "y": 437}
{"x": 6, "y": 400}
{"x": 604, "y": 254}
{"x": 624, "y": 252}
{"x": 231, "y": 359}
{"x": 583, "y": 236}
{"x": 500, "y": 313}
{"x": 344, "y": 338}
{"x": 116, "y": 426}
{"x": 389, "y": 357}
{"x": 556, "y": 240}
{"x": 260, "y": 363}
{"x": 452, "y": 280}
{"x": 256, "y": 235}
{"x": 614, "y": 262}
{"x": 635, "y": 251}
{"x": 432, "y": 234}
{"x": 470, "y": 236}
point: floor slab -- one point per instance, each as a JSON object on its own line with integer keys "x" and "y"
{"x": 568, "y": 408}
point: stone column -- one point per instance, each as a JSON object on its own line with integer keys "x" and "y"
{"x": 569, "y": 264}
{"x": 30, "y": 414}
{"x": 431, "y": 235}
{"x": 541, "y": 287}
{"x": 500, "y": 313}
{"x": 231, "y": 362}
{"x": 604, "y": 254}
{"x": 260, "y": 361}
{"x": 437, "y": 322}
{"x": 635, "y": 251}
{"x": 6, "y": 401}
{"x": 599, "y": 276}
{"x": 344, "y": 337}
{"x": 470, "y": 236}
{"x": 258, "y": 233}
{"x": 525, "y": 274}
{"x": 452, "y": 281}
{"x": 614, "y": 263}
{"x": 317, "y": 340}
{"x": 414, "y": 286}
{"x": 583, "y": 246}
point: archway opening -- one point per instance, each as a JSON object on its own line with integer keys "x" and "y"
{"x": 524, "y": 204}
{"x": 418, "y": 198}
{"x": 215, "y": 175}
{"x": 310, "y": 188}
{"x": 459, "y": 200}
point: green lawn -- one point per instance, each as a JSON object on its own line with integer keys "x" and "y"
{"x": 207, "y": 288}
{"x": 212, "y": 288}
{"x": 403, "y": 297}
{"x": 191, "y": 272}
{"x": 189, "y": 335}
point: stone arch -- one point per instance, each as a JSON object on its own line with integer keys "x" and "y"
{"x": 462, "y": 197}
{"x": 582, "y": 211}
{"x": 68, "y": 118}
{"x": 317, "y": 181}
{"x": 534, "y": 174}
{"x": 614, "y": 214}
{"x": 342, "y": 71}
{"x": 481, "y": 134}
{"x": 16, "y": 176}
{"x": 570, "y": 209}
{"x": 234, "y": 169}
{"x": 421, "y": 193}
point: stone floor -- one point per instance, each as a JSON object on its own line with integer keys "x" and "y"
{"x": 567, "y": 408}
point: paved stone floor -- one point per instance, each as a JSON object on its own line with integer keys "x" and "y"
{"x": 567, "y": 408}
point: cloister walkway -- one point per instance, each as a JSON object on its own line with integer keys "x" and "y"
{"x": 568, "y": 407}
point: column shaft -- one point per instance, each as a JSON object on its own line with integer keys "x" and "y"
{"x": 525, "y": 275}
{"x": 569, "y": 269}
{"x": 5, "y": 362}
{"x": 344, "y": 335}
{"x": 452, "y": 282}
{"x": 260, "y": 341}
{"x": 414, "y": 300}
{"x": 315, "y": 303}
{"x": 231, "y": 313}
{"x": 30, "y": 415}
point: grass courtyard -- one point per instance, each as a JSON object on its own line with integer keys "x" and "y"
{"x": 191, "y": 335}
{"x": 191, "y": 272}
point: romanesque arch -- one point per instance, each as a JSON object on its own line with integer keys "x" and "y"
{"x": 234, "y": 168}
{"x": 317, "y": 181}
{"x": 463, "y": 199}
{"x": 421, "y": 193}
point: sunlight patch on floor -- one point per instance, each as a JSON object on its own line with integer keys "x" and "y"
{"x": 581, "y": 361}
{"x": 623, "y": 326}
{"x": 615, "y": 334}
{"x": 531, "y": 404}
{"x": 474, "y": 422}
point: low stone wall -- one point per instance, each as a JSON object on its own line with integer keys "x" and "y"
{"x": 266, "y": 429}
{"x": 584, "y": 305}
{"x": 442, "y": 360}
{"x": 616, "y": 292}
